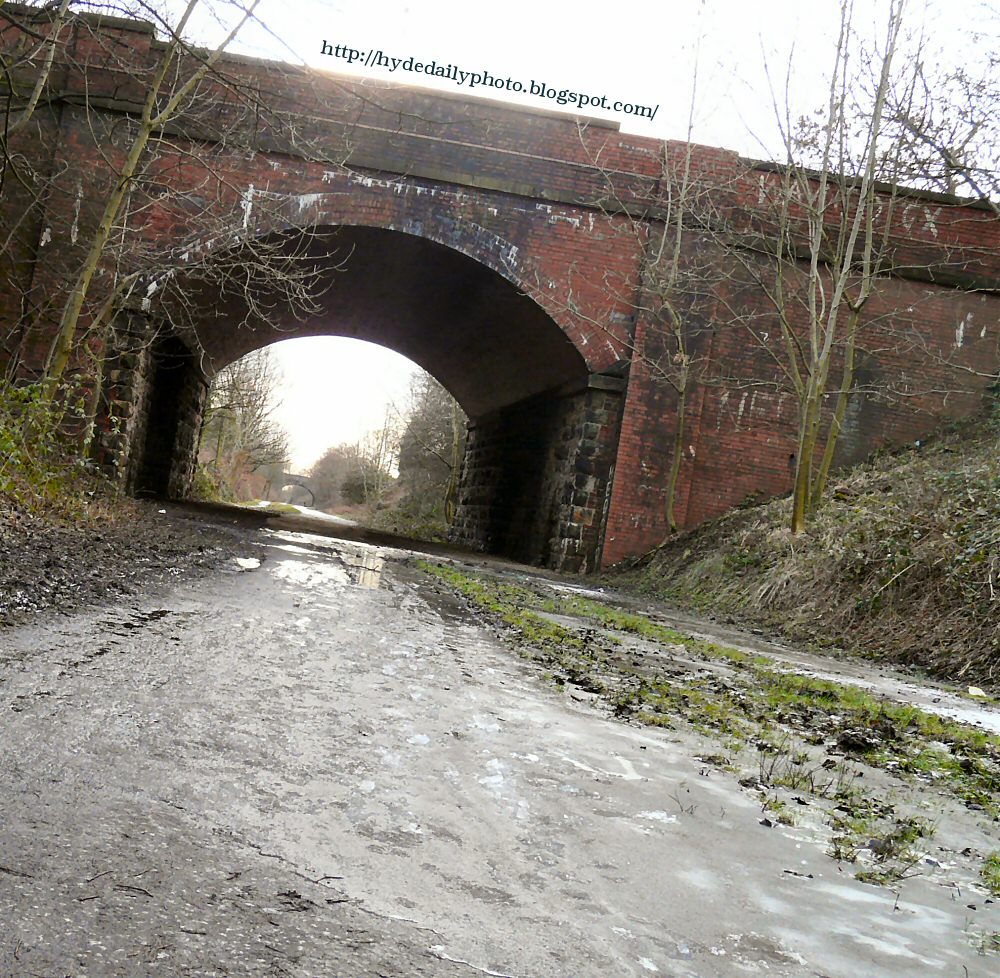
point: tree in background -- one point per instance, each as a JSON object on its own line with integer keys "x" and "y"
{"x": 329, "y": 473}
{"x": 165, "y": 95}
{"x": 946, "y": 117}
{"x": 815, "y": 245}
{"x": 431, "y": 449}
{"x": 668, "y": 215}
{"x": 376, "y": 458}
{"x": 240, "y": 436}
{"x": 423, "y": 441}
{"x": 359, "y": 474}
{"x": 40, "y": 42}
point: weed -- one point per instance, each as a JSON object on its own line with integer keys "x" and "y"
{"x": 990, "y": 873}
{"x": 900, "y": 562}
{"x": 896, "y": 852}
{"x": 739, "y": 698}
{"x": 985, "y": 942}
{"x": 688, "y": 808}
{"x": 41, "y": 468}
{"x": 892, "y": 847}
{"x": 777, "y": 807}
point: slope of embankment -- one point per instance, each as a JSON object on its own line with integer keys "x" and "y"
{"x": 901, "y": 562}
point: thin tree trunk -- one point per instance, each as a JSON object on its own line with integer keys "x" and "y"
{"x": 150, "y": 121}
{"x": 808, "y": 437}
{"x": 839, "y": 413}
{"x": 675, "y": 462}
{"x": 11, "y": 127}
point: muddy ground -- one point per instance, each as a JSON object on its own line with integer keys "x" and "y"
{"x": 47, "y": 564}
{"x": 319, "y": 757}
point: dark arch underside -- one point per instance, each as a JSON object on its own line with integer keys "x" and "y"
{"x": 543, "y": 431}
{"x": 488, "y": 343}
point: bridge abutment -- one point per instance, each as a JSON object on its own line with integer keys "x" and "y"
{"x": 536, "y": 478}
{"x": 537, "y": 475}
{"x": 152, "y": 402}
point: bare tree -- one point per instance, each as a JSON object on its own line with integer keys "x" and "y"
{"x": 378, "y": 458}
{"x": 677, "y": 285}
{"x": 239, "y": 428}
{"x": 825, "y": 248}
{"x": 946, "y": 117}
{"x": 667, "y": 219}
{"x": 431, "y": 447}
{"x": 39, "y": 43}
{"x": 162, "y": 101}
{"x": 188, "y": 109}
{"x": 329, "y": 473}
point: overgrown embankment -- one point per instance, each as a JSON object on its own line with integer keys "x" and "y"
{"x": 901, "y": 562}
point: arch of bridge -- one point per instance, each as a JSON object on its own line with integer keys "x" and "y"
{"x": 456, "y": 298}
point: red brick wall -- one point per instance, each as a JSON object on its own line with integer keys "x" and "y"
{"x": 531, "y": 197}
{"x": 927, "y": 353}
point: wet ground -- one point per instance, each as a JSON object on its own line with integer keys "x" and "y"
{"x": 315, "y": 762}
{"x": 48, "y": 564}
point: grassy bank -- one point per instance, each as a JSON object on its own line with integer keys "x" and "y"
{"x": 42, "y": 474}
{"x": 902, "y": 561}
{"x": 68, "y": 538}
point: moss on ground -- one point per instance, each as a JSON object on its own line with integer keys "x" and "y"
{"x": 654, "y": 674}
{"x": 991, "y": 873}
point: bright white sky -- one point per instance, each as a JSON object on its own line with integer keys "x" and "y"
{"x": 634, "y": 50}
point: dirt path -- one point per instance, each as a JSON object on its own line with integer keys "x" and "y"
{"x": 319, "y": 763}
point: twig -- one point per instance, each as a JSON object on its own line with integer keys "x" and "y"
{"x": 15, "y": 872}
{"x": 127, "y": 888}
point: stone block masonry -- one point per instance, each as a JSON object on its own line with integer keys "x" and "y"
{"x": 536, "y": 477}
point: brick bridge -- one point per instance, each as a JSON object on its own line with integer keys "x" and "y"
{"x": 291, "y": 480}
{"x": 504, "y": 250}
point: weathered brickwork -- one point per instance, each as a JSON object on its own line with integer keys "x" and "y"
{"x": 504, "y": 250}
{"x": 928, "y": 353}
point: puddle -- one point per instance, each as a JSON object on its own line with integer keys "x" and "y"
{"x": 292, "y": 548}
{"x": 310, "y": 573}
{"x": 583, "y": 592}
{"x": 657, "y": 816}
{"x": 365, "y": 568}
{"x": 315, "y": 568}
{"x": 940, "y": 702}
{"x": 317, "y": 514}
{"x": 113, "y": 631}
{"x": 321, "y": 561}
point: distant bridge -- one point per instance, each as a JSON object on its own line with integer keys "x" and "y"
{"x": 287, "y": 479}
